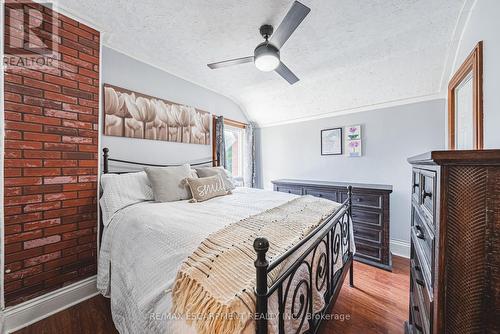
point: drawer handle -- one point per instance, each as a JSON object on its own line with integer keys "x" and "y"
{"x": 359, "y": 199}
{"x": 289, "y": 191}
{"x": 419, "y": 233}
{"x": 418, "y": 278}
{"x": 425, "y": 195}
{"x": 320, "y": 195}
{"x": 415, "y": 185}
{"x": 419, "y": 281}
{"x": 418, "y": 327}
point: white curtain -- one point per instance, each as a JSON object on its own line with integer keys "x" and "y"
{"x": 249, "y": 156}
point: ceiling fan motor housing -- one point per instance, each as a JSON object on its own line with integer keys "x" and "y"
{"x": 266, "y": 30}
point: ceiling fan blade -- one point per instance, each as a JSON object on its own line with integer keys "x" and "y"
{"x": 291, "y": 21}
{"x": 231, "y": 62}
{"x": 286, "y": 73}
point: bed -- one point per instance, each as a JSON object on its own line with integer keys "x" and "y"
{"x": 143, "y": 245}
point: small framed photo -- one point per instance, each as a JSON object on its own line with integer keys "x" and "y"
{"x": 353, "y": 141}
{"x": 354, "y": 148}
{"x": 354, "y": 132}
{"x": 331, "y": 141}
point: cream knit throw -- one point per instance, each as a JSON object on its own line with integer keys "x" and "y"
{"x": 214, "y": 288}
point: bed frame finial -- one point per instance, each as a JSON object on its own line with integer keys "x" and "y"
{"x": 105, "y": 156}
{"x": 349, "y": 195}
{"x": 349, "y": 212}
{"x": 261, "y": 246}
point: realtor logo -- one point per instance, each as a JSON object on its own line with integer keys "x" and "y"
{"x": 29, "y": 28}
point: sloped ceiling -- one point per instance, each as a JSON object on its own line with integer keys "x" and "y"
{"x": 347, "y": 53}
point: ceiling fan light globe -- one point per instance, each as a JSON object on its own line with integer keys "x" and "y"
{"x": 267, "y": 62}
{"x": 266, "y": 57}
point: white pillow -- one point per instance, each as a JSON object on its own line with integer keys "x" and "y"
{"x": 211, "y": 171}
{"x": 122, "y": 190}
{"x": 169, "y": 183}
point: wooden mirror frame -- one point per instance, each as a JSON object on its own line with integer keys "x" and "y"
{"x": 474, "y": 64}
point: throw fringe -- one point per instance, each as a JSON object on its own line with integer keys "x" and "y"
{"x": 212, "y": 287}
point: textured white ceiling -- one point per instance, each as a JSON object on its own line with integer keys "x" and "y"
{"x": 347, "y": 53}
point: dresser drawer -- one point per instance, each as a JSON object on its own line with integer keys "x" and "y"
{"x": 288, "y": 189}
{"x": 415, "y": 188}
{"x": 361, "y": 232}
{"x": 423, "y": 239}
{"x": 371, "y": 219}
{"x": 420, "y": 306}
{"x": 422, "y": 294}
{"x": 366, "y": 250}
{"x": 428, "y": 195}
{"x": 422, "y": 274}
{"x": 364, "y": 200}
{"x": 328, "y": 194}
{"x": 417, "y": 322}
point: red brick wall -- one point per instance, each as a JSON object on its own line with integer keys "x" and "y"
{"x": 51, "y": 127}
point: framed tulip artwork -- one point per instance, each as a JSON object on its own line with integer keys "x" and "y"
{"x": 134, "y": 115}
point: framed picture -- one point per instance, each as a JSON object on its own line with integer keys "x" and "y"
{"x": 331, "y": 141}
{"x": 134, "y": 115}
{"x": 354, "y": 132}
{"x": 354, "y": 148}
{"x": 353, "y": 139}
{"x": 465, "y": 104}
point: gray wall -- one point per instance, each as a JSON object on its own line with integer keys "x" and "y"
{"x": 390, "y": 136}
{"x": 121, "y": 70}
{"x": 484, "y": 25}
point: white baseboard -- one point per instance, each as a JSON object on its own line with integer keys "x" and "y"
{"x": 400, "y": 248}
{"x": 27, "y": 313}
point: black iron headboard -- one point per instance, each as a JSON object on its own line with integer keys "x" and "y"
{"x": 107, "y": 159}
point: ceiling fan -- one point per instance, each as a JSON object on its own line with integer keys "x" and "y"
{"x": 266, "y": 55}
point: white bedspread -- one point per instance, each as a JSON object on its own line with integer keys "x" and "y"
{"x": 147, "y": 242}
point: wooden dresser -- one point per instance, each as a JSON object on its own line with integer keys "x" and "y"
{"x": 455, "y": 243}
{"x": 370, "y": 214}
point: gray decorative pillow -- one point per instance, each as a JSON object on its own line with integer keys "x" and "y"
{"x": 169, "y": 183}
{"x": 207, "y": 187}
{"x": 211, "y": 171}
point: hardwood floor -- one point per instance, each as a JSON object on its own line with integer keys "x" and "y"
{"x": 378, "y": 303}
{"x": 93, "y": 316}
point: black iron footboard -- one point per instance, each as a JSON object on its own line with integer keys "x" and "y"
{"x": 327, "y": 247}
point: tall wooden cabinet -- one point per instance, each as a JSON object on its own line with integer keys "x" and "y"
{"x": 455, "y": 243}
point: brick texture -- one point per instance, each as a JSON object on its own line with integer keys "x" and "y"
{"x": 51, "y": 144}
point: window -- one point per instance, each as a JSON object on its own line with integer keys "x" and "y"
{"x": 233, "y": 137}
